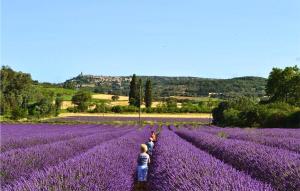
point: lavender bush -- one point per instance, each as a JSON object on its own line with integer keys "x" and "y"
{"x": 178, "y": 165}
{"x": 30, "y": 138}
{"x": 259, "y": 136}
{"x": 22, "y": 162}
{"x": 279, "y": 167}
{"x": 109, "y": 166}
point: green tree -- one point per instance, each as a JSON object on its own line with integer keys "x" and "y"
{"x": 139, "y": 95}
{"x": 58, "y": 103}
{"x": 101, "y": 108}
{"x": 14, "y": 91}
{"x": 19, "y": 113}
{"x": 69, "y": 85}
{"x": 218, "y": 113}
{"x": 133, "y": 91}
{"x": 148, "y": 93}
{"x": 117, "y": 109}
{"x": 82, "y": 99}
{"x": 284, "y": 85}
{"x": 42, "y": 108}
{"x": 295, "y": 90}
{"x": 171, "y": 105}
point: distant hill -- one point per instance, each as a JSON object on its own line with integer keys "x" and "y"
{"x": 164, "y": 86}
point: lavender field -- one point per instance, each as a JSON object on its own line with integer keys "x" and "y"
{"x": 104, "y": 157}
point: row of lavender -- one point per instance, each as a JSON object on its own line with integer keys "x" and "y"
{"x": 270, "y": 132}
{"x": 280, "y": 138}
{"x": 73, "y": 163}
{"x": 14, "y": 131}
{"x": 23, "y": 136}
{"x": 107, "y": 166}
{"x": 179, "y": 165}
{"x": 21, "y": 162}
{"x": 279, "y": 167}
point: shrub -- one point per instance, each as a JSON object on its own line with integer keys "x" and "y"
{"x": 231, "y": 117}
{"x": 249, "y": 118}
{"x": 276, "y": 120}
{"x": 19, "y": 113}
{"x": 293, "y": 120}
{"x": 82, "y": 99}
{"x": 130, "y": 108}
{"x": 218, "y": 113}
{"x": 149, "y": 110}
{"x": 117, "y": 109}
{"x": 72, "y": 109}
{"x": 115, "y": 97}
{"x": 101, "y": 108}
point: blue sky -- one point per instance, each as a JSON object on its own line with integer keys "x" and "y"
{"x": 57, "y": 39}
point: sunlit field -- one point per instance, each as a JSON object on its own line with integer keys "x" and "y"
{"x": 103, "y": 157}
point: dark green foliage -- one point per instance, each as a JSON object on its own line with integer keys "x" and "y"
{"x": 69, "y": 85}
{"x": 273, "y": 115}
{"x": 117, "y": 109}
{"x": 139, "y": 96}
{"x": 115, "y": 98}
{"x": 21, "y": 97}
{"x": 133, "y": 92}
{"x": 42, "y": 108}
{"x": 276, "y": 114}
{"x": 73, "y": 109}
{"x": 284, "y": 85}
{"x": 293, "y": 120}
{"x": 82, "y": 99}
{"x": 279, "y": 111}
{"x": 58, "y": 103}
{"x": 218, "y": 113}
{"x": 250, "y": 117}
{"x": 148, "y": 94}
{"x": 15, "y": 91}
{"x": 19, "y": 113}
{"x": 101, "y": 108}
{"x": 171, "y": 105}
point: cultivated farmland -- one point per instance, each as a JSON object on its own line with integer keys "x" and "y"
{"x": 103, "y": 157}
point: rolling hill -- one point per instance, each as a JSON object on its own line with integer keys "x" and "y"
{"x": 164, "y": 86}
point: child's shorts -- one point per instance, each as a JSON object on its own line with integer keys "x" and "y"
{"x": 142, "y": 172}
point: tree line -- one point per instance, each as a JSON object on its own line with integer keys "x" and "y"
{"x": 141, "y": 93}
{"x": 136, "y": 93}
{"x": 280, "y": 109}
{"x": 180, "y": 86}
{"x": 21, "y": 97}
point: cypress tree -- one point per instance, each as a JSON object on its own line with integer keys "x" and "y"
{"x": 138, "y": 98}
{"x": 148, "y": 94}
{"x": 133, "y": 90}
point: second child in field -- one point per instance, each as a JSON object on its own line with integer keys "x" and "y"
{"x": 150, "y": 146}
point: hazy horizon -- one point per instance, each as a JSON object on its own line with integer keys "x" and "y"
{"x": 57, "y": 40}
{"x": 137, "y": 75}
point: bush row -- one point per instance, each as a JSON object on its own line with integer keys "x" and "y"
{"x": 245, "y": 113}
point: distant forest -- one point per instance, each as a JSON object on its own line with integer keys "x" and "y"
{"x": 174, "y": 86}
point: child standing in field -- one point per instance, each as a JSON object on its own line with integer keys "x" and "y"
{"x": 153, "y": 136}
{"x": 150, "y": 146}
{"x": 142, "y": 169}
